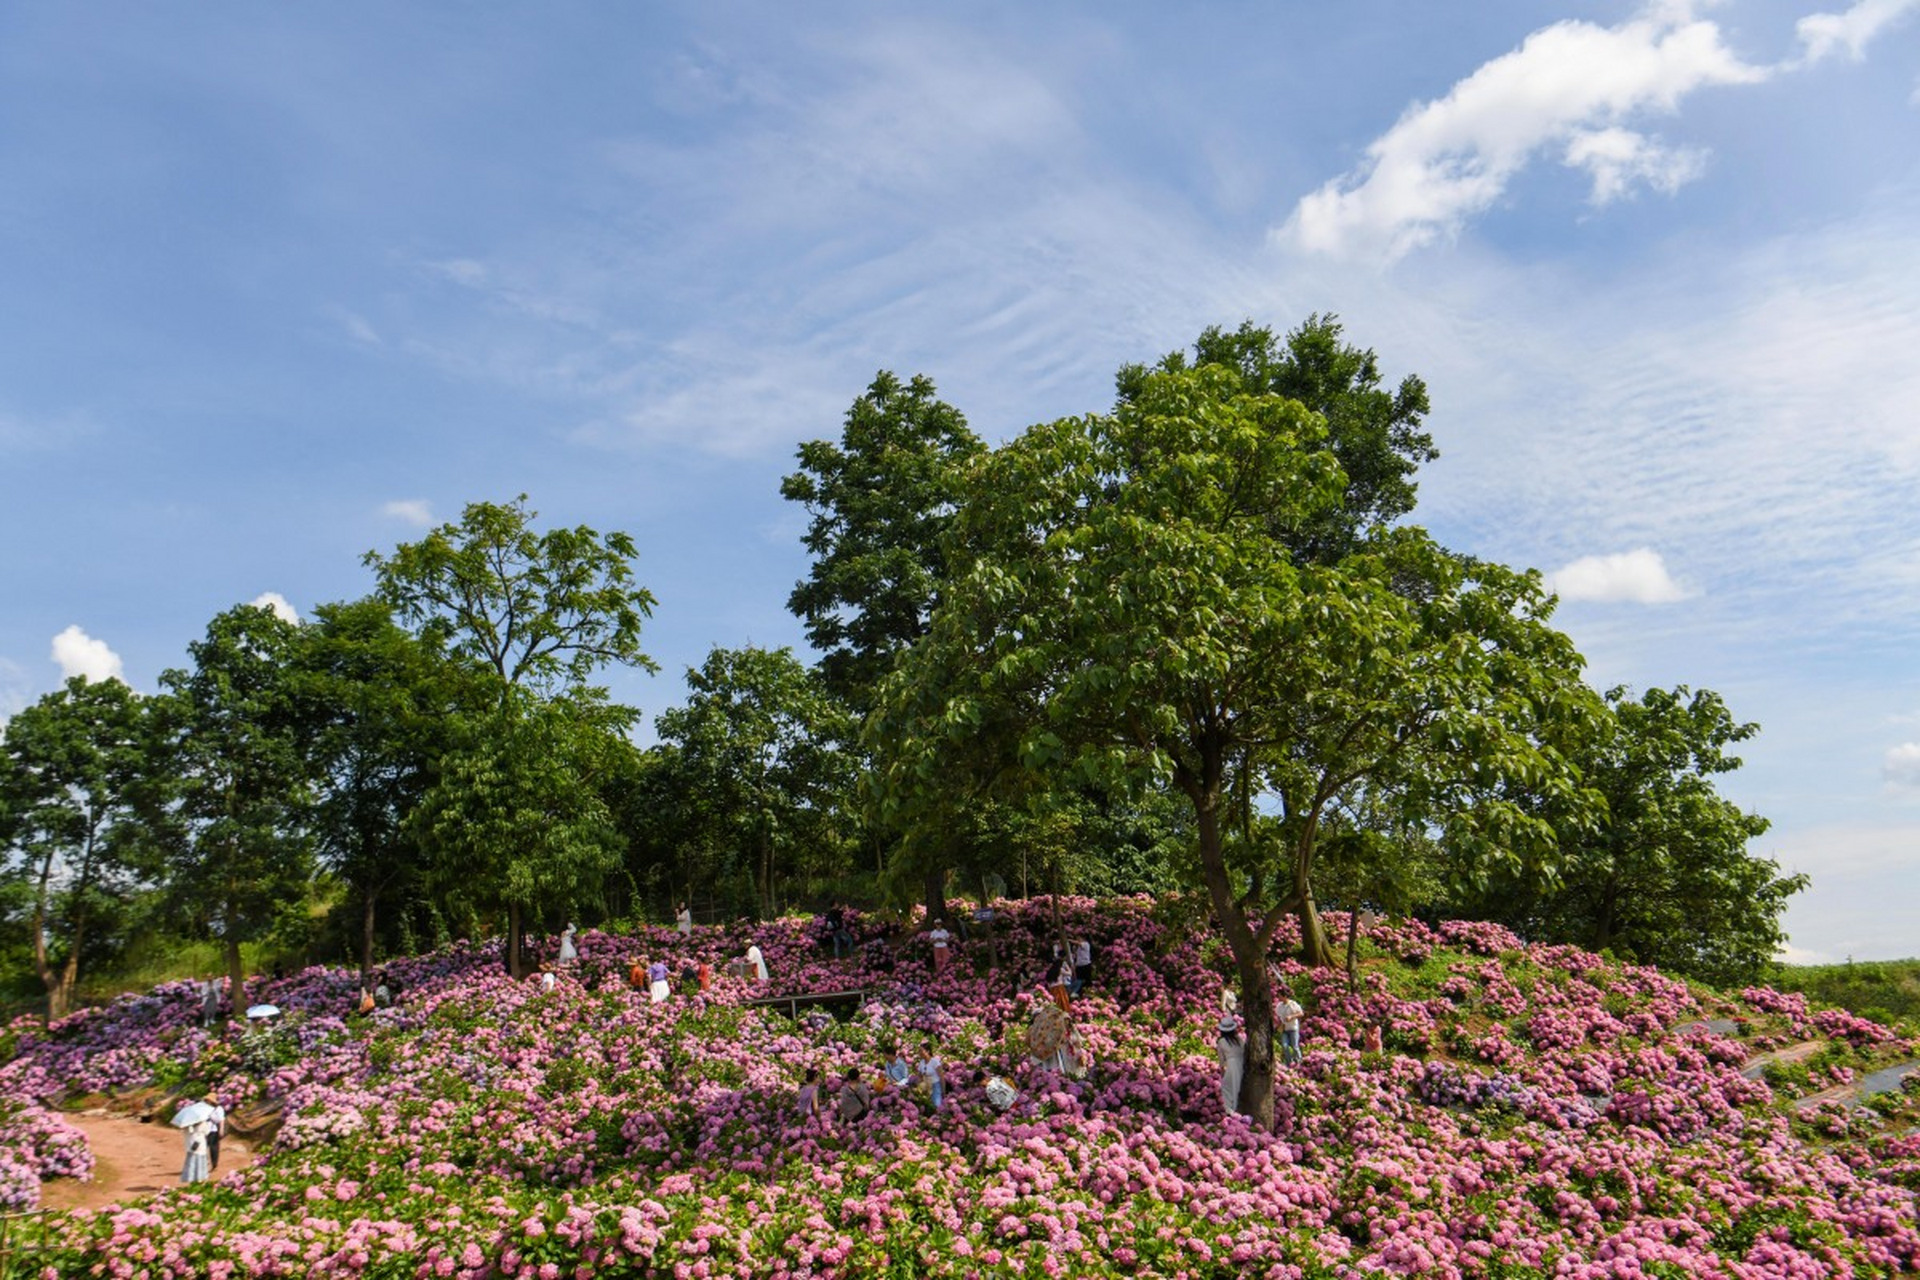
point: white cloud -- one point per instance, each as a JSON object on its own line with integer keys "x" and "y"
{"x": 79, "y": 654}
{"x": 1619, "y": 158}
{"x": 1570, "y": 84}
{"x": 278, "y": 603}
{"x": 1902, "y": 767}
{"x": 1639, "y": 577}
{"x": 1824, "y": 34}
{"x": 414, "y": 511}
{"x": 1789, "y": 954}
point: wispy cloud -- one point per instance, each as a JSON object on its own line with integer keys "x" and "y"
{"x": 1639, "y": 577}
{"x": 14, "y": 690}
{"x": 1753, "y": 407}
{"x": 1826, "y": 34}
{"x": 79, "y": 654}
{"x": 414, "y": 511}
{"x": 1570, "y": 87}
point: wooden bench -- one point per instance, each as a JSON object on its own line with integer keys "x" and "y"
{"x": 792, "y": 1004}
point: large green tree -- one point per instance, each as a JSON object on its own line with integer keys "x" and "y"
{"x": 236, "y": 732}
{"x": 760, "y": 768}
{"x": 544, "y": 612}
{"x": 880, "y": 502}
{"x": 1664, "y": 875}
{"x": 1130, "y": 607}
{"x": 73, "y": 773}
{"x": 385, "y": 702}
{"x": 517, "y": 817}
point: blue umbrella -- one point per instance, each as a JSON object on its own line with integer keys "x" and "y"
{"x": 192, "y": 1113}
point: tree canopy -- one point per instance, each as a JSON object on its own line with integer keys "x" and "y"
{"x": 880, "y": 501}
{"x": 1662, "y": 874}
{"x": 540, "y": 609}
{"x": 72, "y": 780}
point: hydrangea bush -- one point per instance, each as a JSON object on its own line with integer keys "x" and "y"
{"x": 1535, "y": 1111}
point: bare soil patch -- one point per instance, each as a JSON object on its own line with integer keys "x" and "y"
{"x": 132, "y": 1160}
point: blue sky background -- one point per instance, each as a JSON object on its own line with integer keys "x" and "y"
{"x": 280, "y": 285}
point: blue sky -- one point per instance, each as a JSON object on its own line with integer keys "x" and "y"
{"x": 280, "y": 285}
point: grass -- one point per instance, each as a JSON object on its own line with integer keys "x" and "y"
{"x": 1887, "y": 991}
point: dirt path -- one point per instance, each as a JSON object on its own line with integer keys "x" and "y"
{"x": 131, "y": 1161}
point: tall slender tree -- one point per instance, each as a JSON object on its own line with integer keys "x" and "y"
{"x": 235, "y": 751}
{"x": 544, "y": 612}
{"x": 385, "y": 702}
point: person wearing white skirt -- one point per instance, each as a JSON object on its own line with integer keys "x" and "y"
{"x": 1233, "y": 1063}
{"x": 657, "y": 989}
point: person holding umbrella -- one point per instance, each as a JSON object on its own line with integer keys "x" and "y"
{"x": 192, "y": 1120}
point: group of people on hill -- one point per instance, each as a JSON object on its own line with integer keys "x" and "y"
{"x": 855, "y": 1098}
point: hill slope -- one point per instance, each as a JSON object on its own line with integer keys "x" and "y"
{"x": 1536, "y": 1111}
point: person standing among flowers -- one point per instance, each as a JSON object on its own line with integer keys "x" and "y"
{"x": 657, "y": 989}
{"x": 1082, "y": 954}
{"x": 756, "y": 963}
{"x": 683, "y": 921}
{"x": 1060, "y": 979}
{"x": 940, "y": 939}
{"x": 1286, "y": 1015}
{"x": 1233, "y": 1062}
{"x": 932, "y": 1070}
{"x": 196, "y": 1168}
{"x": 216, "y": 1129}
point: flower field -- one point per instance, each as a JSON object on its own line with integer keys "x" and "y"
{"x": 1537, "y": 1111}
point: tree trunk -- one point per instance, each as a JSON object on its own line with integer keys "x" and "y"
{"x": 60, "y": 999}
{"x": 1603, "y": 924}
{"x": 236, "y": 971}
{"x": 936, "y": 894}
{"x": 55, "y": 1007}
{"x": 514, "y": 961}
{"x": 1353, "y": 944}
{"x": 1315, "y": 951}
{"x": 1256, "y": 990}
{"x": 366, "y": 939}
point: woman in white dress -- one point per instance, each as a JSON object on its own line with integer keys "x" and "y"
{"x": 1233, "y": 1063}
{"x": 757, "y": 963}
{"x": 197, "y": 1168}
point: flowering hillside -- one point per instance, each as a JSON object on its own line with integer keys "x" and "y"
{"x": 1535, "y": 1111}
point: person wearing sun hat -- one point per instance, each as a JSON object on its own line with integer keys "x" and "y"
{"x": 1233, "y": 1062}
